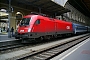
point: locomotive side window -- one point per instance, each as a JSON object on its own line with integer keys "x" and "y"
{"x": 37, "y": 22}
{"x": 25, "y": 21}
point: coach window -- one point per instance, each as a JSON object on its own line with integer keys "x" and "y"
{"x": 37, "y": 21}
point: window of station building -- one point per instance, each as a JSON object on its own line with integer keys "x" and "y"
{"x": 78, "y": 18}
{"x": 65, "y": 14}
{"x": 59, "y": 17}
{"x": 19, "y": 15}
{"x": 3, "y": 19}
{"x": 83, "y": 21}
{"x": 73, "y": 15}
{"x": 68, "y": 14}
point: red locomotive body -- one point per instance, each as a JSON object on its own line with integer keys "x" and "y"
{"x": 36, "y": 26}
{"x": 63, "y": 27}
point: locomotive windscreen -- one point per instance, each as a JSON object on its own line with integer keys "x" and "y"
{"x": 25, "y": 21}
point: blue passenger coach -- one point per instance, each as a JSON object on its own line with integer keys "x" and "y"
{"x": 78, "y": 28}
{"x": 88, "y": 28}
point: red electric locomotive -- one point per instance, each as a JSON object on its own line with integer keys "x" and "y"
{"x": 38, "y": 26}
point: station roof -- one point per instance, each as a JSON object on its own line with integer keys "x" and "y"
{"x": 47, "y": 5}
{"x": 82, "y": 5}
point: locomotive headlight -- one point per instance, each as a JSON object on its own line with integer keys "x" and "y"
{"x": 29, "y": 29}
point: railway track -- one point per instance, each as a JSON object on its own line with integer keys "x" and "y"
{"x": 48, "y": 53}
{"x": 15, "y": 47}
{"x": 10, "y": 48}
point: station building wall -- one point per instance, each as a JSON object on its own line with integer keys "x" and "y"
{"x": 13, "y": 19}
{"x": 75, "y": 15}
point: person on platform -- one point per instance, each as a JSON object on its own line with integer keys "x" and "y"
{"x": 12, "y": 30}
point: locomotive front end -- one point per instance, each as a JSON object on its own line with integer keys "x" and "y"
{"x": 24, "y": 29}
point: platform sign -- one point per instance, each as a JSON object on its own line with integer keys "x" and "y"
{"x": 60, "y": 2}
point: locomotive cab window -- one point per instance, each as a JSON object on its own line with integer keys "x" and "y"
{"x": 25, "y": 21}
{"x": 37, "y": 22}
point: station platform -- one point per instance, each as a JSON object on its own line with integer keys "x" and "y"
{"x": 78, "y": 52}
{"x": 4, "y": 37}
